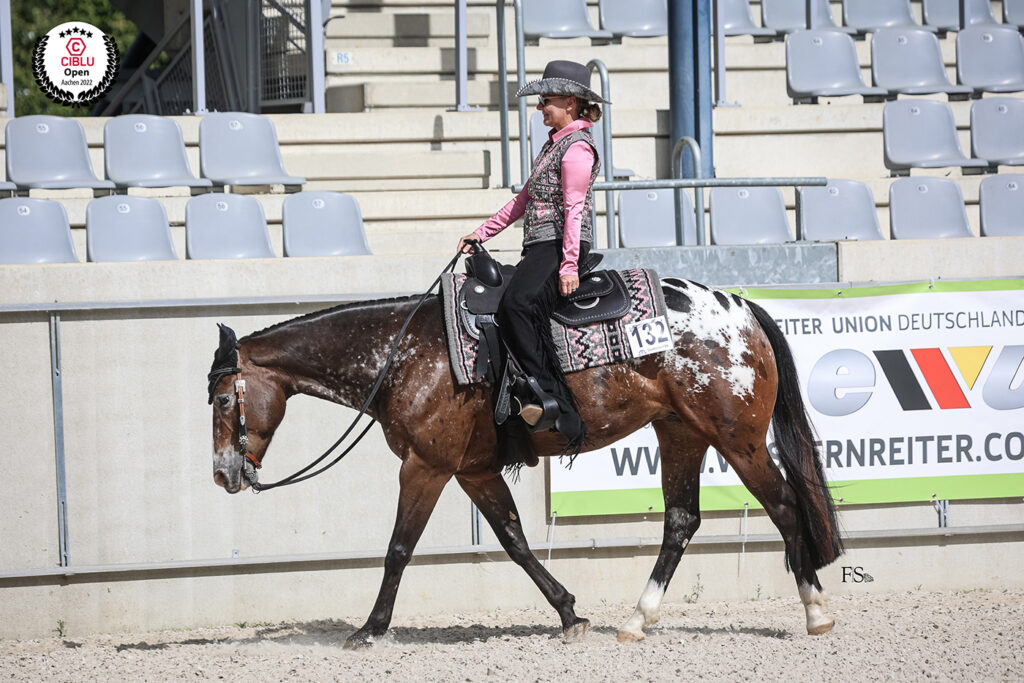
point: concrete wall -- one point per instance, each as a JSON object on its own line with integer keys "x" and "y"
{"x": 140, "y": 489}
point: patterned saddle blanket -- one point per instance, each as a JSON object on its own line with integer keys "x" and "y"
{"x": 588, "y": 331}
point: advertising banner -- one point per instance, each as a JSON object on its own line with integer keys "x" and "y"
{"x": 916, "y": 392}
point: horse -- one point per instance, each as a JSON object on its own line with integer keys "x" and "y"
{"x": 729, "y": 374}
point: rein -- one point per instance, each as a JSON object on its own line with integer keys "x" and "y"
{"x": 302, "y": 475}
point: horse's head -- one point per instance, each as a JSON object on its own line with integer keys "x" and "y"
{"x": 247, "y": 408}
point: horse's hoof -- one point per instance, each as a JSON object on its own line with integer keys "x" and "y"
{"x": 822, "y": 628}
{"x": 360, "y": 640}
{"x": 629, "y": 637}
{"x": 577, "y": 632}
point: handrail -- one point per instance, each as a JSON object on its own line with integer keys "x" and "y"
{"x": 609, "y": 169}
{"x": 502, "y": 93}
{"x": 524, "y": 150}
{"x": 686, "y": 142}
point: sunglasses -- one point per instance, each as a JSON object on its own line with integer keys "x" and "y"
{"x": 545, "y": 100}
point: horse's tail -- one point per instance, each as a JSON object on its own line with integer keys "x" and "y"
{"x": 794, "y": 441}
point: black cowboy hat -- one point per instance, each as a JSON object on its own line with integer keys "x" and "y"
{"x": 563, "y": 77}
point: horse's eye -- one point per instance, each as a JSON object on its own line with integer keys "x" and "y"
{"x": 223, "y": 400}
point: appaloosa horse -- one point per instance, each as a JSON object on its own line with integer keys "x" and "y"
{"x": 730, "y": 373}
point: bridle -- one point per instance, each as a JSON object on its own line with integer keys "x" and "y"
{"x": 243, "y": 431}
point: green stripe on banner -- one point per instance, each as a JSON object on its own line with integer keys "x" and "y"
{"x": 879, "y": 290}
{"x": 860, "y": 492}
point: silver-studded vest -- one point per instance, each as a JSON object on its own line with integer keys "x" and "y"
{"x": 544, "y": 219}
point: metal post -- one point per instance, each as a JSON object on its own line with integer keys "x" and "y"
{"x": 690, "y": 76}
{"x": 503, "y": 94}
{"x": 524, "y": 143}
{"x": 809, "y": 8}
{"x": 609, "y": 169}
{"x": 315, "y": 54}
{"x": 963, "y": 14}
{"x": 698, "y": 192}
{"x": 719, "y": 33}
{"x": 64, "y": 547}
{"x": 474, "y": 523}
{"x": 198, "y": 59}
{"x": 6, "y": 58}
{"x": 461, "y": 59}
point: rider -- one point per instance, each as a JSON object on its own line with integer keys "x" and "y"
{"x": 557, "y": 205}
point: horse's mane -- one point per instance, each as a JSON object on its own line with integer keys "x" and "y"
{"x": 340, "y": 308}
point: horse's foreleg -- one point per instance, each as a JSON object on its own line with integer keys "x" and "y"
{"x": 490, "y": 493}
{"x": 681, "y": 453}
{"x": 421, "y": 486}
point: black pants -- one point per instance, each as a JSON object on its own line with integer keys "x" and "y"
{"x": 524, "y": 316}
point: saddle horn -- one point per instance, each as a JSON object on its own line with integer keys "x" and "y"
{"x": 481, "y": 266}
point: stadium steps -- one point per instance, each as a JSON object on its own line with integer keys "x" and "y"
{"x": 419, "y": 28}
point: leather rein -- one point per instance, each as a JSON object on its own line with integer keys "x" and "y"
{"x": 304, "y": 474}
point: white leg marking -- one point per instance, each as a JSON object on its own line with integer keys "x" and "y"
{"x": 814, "y": 604}
{"x": 647, "y": 612}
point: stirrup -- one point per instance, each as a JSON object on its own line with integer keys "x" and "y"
{"x": 541, "y": 412}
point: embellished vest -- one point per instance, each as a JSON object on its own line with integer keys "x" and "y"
{"x": 544, "y": 219}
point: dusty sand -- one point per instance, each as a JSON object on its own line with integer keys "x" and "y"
{"x": 976, "y": 635}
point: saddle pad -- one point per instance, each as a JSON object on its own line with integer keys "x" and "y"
{"x": 578, "y": 348}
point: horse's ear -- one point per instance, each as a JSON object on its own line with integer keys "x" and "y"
{"x": 228, "y": 340}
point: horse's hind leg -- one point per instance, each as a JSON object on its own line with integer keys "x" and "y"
{"x": 490, "y": 493}
{"x": 764, "y": 480}
{"x": 681, "y": 455}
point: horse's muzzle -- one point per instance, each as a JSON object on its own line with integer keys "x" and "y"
{"x": 232, "y": 472}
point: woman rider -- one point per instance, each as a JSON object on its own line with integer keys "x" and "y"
{"x": 557, "y": 205}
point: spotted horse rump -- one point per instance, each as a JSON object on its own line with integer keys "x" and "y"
{"x": 579, "y": 347}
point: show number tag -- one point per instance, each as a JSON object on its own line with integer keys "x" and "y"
{"x": 649, "y": 336}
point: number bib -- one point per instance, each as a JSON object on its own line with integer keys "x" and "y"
{"x": 649, "y": 336}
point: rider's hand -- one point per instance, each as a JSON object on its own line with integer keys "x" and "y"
{"x": 567, "y": 284}
{"x": 464, "y": 242}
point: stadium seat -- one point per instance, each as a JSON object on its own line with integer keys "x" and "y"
{"x": 1013, "y": 13}
{"x": 842, "y": 210}
{"x": 323, "y": 224}
{"x": 237, "y": 148}
{"x": 997, "y": 131}
{"x": 990, "y": 58}
{"x": 909, "y": 61}
{"x": 924, "y": 208}
{"x": 823, "y": 63}
{"x": 1001, "y": 200}
{"x": 539, "y": 135}
{"x": 563, "y": 19}
{"x": 634, "y": 18}
{"x": 142, "y": 150}
{"x": 35, "y": 231}
{"x": 945, "y": 14}
{"x": 786, "y": 16}
{"x": 922, "y": 134}
{"x": 647, "y": 218}
{"x": 126, "y": 228}
{"x": 867, "y": 15}
{"x": 748, "y": 215}
{"x": 736, "y": 21}
{"x": 49, "y": 152}
{"x": 226, "y": 226}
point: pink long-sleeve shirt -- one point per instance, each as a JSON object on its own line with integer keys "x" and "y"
{"x": 577, "y": 164}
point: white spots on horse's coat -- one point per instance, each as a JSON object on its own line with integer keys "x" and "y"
{"x": 647, "y": 611}
{"x": 715, "y": 325}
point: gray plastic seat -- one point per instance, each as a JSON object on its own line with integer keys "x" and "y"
{"x": 868, "y": 15}
{"x": 1001, "y": 202}
{"x": 562, "y": 19}
{"x": 786, "y": 16}
{"x": 634, "y": 18}
{"x": 842, "y": 210}
{"x": 647, "y": 218}
{"x": 226, "y": 226}
{"x": 909, "y": 61}
{"x": 736, "y": 21}
{"x": 1013, "y": 13}
{"x": 35, "y": 231}
{"x": 539, "y": 135}
{"x": 748, "y": 215}
{"x": 49, "y": 152}
{"x": 945, "y": 14}
{"x": 237, "y": 148}
{"x": 126, "y": 228}
{"x": 997, "y": 130}
{"x": 922, "y": 134}
{"x": 823, "y": 63}
{"x": 990, "y": 58}
{"x": 925, "y": 208}
{"x": 141, "y": 150}
{"x": 323, "y": 224}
